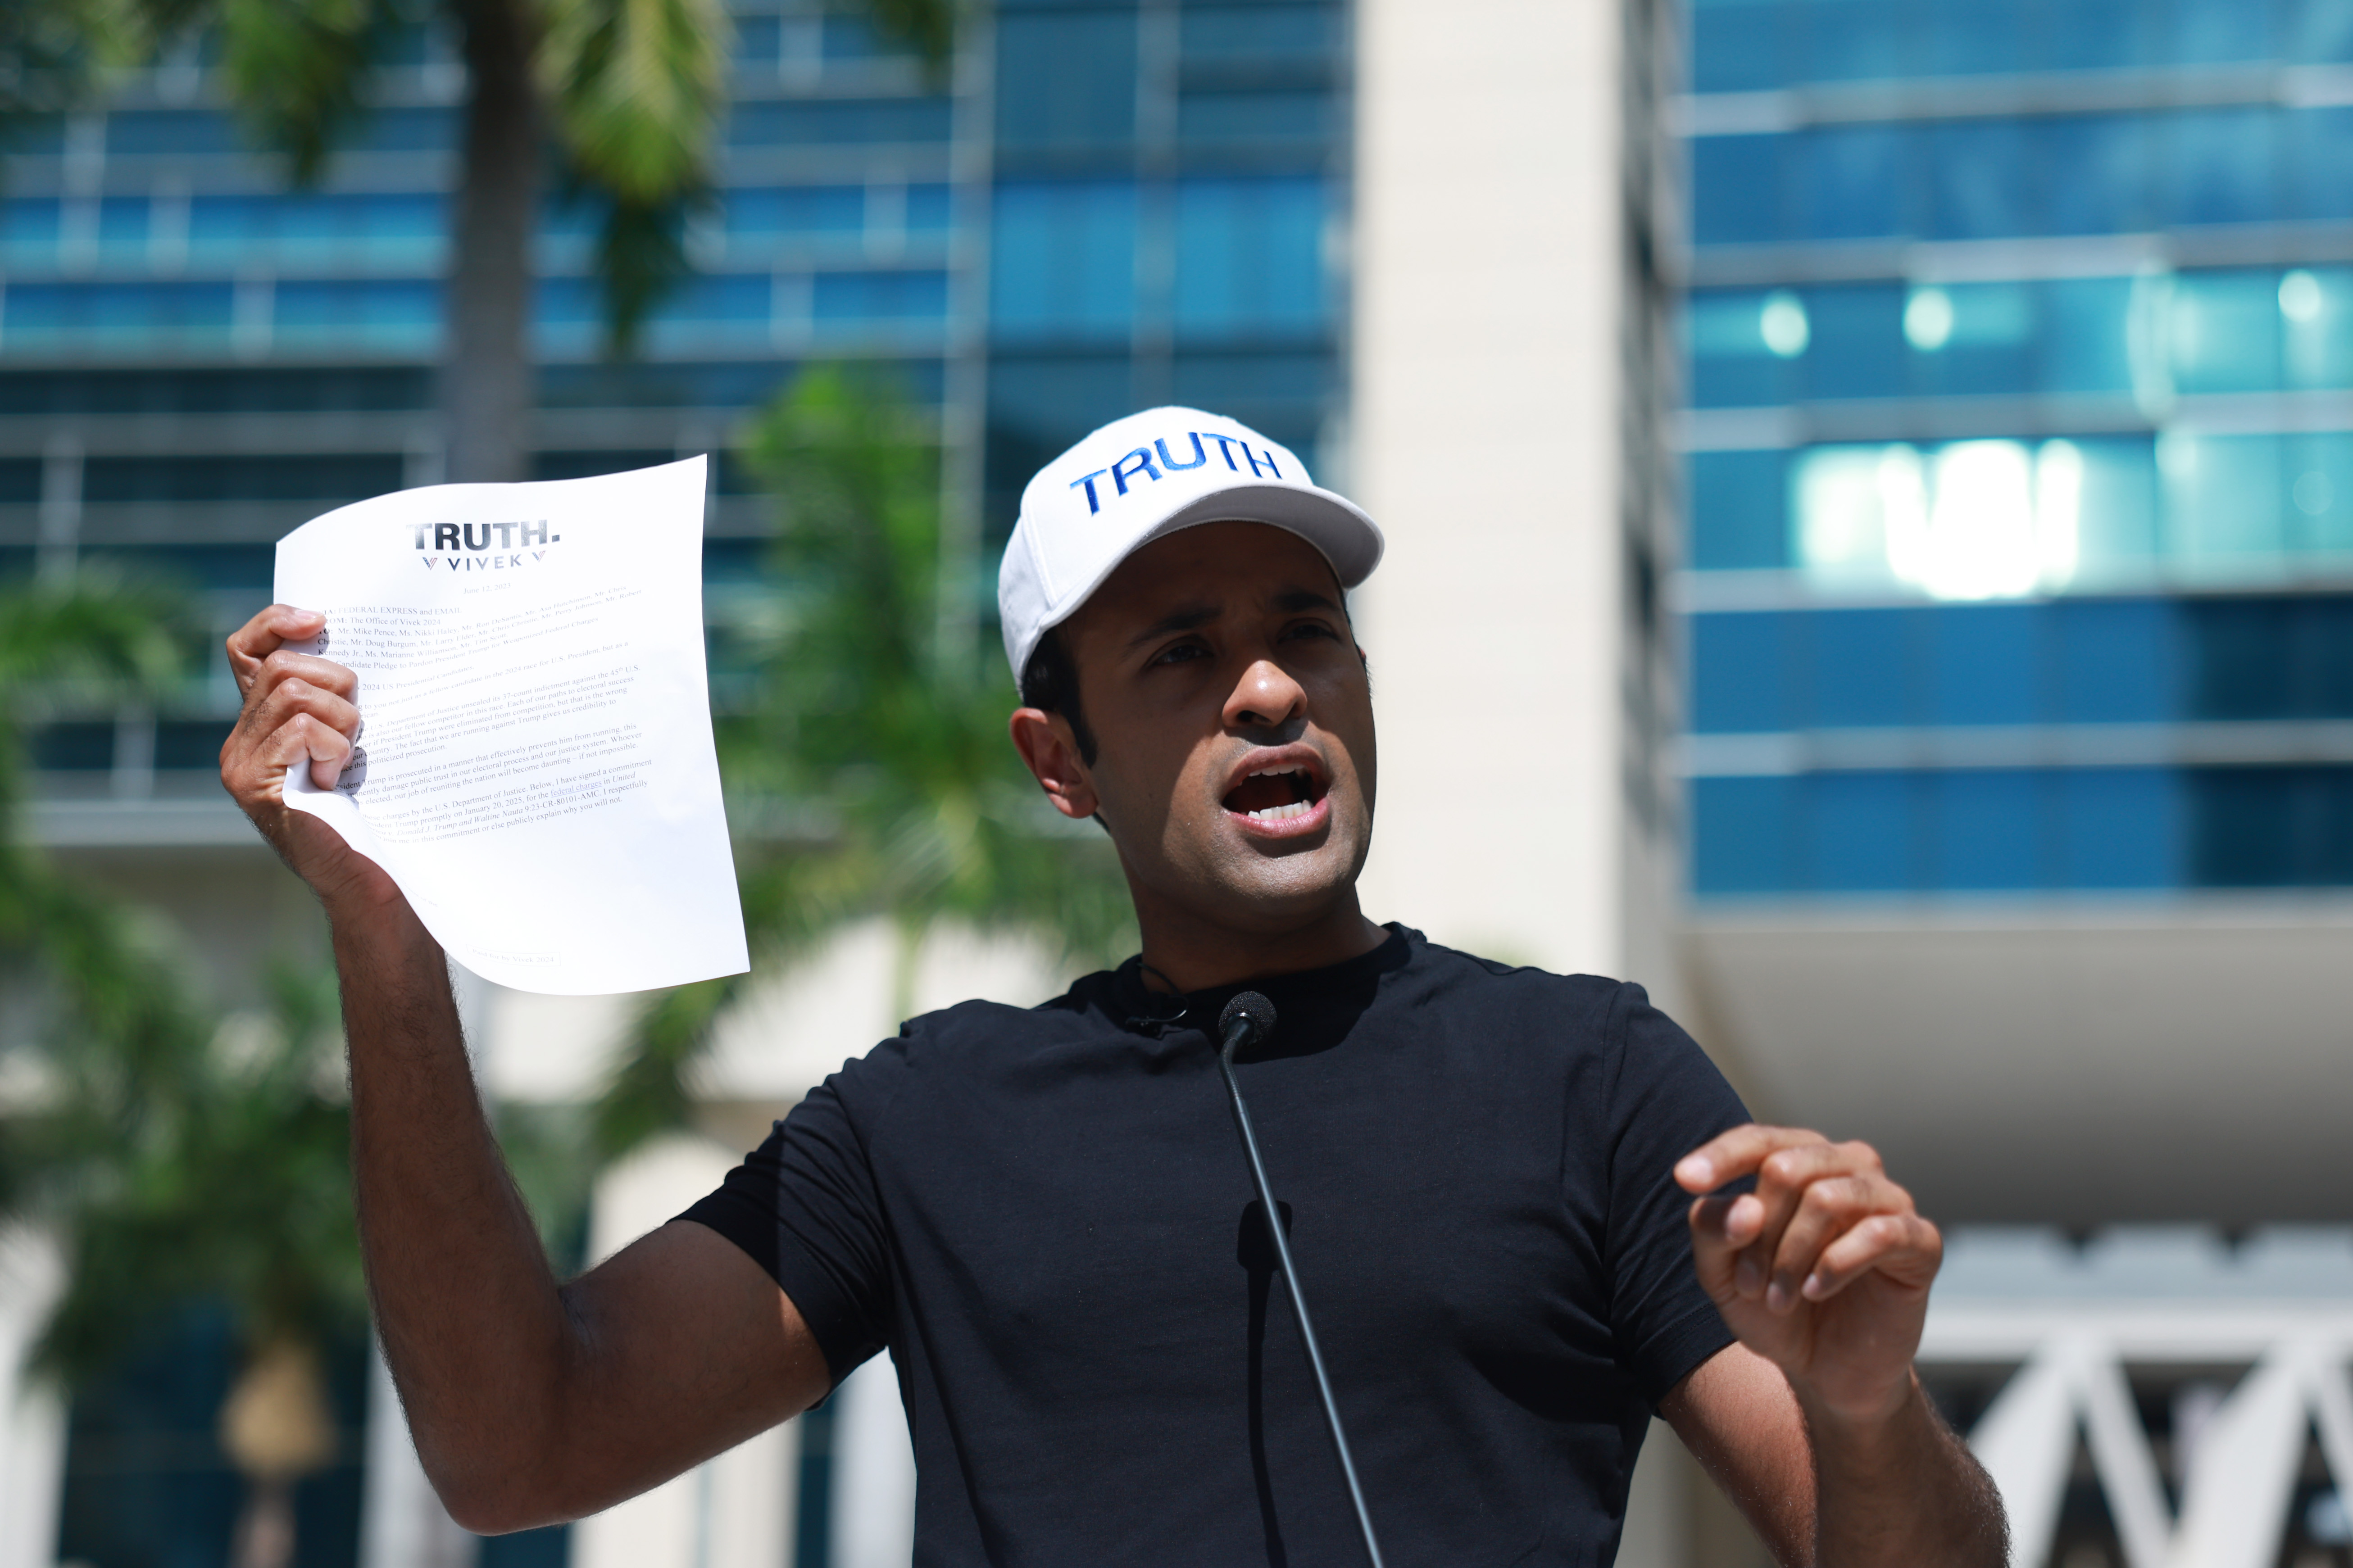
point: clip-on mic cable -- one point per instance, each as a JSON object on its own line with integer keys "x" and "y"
{"x": 1248, "y": 1019}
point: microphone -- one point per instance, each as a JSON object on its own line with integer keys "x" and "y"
{"x": 1248, "y": 1020}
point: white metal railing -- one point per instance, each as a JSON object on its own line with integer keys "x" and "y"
{"x": 2078, "y": 1326}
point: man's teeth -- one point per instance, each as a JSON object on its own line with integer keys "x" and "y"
{"x": 1282, "y": 813}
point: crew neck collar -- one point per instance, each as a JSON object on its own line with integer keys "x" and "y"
{"x": 1299, "y": 996}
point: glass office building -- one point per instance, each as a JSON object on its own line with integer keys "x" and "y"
{"x": 2020, "y": 454}
{"x": 1097, "y": 207}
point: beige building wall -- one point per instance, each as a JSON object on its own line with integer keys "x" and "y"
{"x": 1499, "y": 437}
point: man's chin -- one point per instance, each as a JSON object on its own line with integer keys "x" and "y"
{"x": 1278, "y": 886}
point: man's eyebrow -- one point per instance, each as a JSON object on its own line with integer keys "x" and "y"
{"x": 1191, "y": 618}
{"x": 1292, "y": 600}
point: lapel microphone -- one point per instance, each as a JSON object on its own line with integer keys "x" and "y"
{"x": 1248, "y": 1020}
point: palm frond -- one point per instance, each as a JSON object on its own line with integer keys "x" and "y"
{"x": 927, "y": 813}
{"x": 296, "y": 68}
{"x": 637, "y": 87}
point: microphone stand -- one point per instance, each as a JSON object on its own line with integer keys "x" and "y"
{"x": 1244, "y": 1022}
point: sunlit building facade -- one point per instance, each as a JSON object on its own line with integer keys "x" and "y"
{"x": 2018, "y": 594}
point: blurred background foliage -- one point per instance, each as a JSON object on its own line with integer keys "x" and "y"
{"x": 868, "y": 771}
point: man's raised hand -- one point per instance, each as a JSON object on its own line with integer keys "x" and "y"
{"x": 299, "y": 712}
{"x": 1823, "y": 1269}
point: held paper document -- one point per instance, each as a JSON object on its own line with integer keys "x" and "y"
{"x": 535, "y": 767}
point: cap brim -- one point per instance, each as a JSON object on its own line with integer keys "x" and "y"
{"x": 1334, "y": 524}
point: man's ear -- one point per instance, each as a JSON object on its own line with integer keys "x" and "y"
{"x": 1046, "y": 743}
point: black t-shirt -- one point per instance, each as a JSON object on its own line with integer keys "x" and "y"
{"x": 1046, "y": 1216}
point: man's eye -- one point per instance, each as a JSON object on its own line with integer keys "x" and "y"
{"x": 1182, "y": 653}
{"x": 1310, "y": 630}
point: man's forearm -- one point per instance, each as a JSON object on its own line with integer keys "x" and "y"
{"x": 1903, "y": 1489}
{"x": 468, "y": 1309}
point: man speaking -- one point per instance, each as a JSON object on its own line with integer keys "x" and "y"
{"x": 1508, "y": 1194}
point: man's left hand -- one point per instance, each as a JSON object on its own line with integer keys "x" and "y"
{"x": 1823, "y": 1269}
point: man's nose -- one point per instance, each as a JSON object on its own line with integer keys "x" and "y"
{"x": 1266, "y": 698}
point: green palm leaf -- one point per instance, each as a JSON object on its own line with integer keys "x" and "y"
{"x": 911, "y": 803}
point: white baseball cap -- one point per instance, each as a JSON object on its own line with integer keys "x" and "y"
{"x": 1144, "y": 478}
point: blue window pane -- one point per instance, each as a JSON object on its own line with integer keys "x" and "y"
{"x": 2096, "y": 171}
{"x": 2315, "y": 306}
{"x": 2244, "y": 661}
{"x": 2317, "y": 150}
{"x": 1979, "y": 180}
{"x": 51, "y": 318}
{"x": 1852, "y": 183}
{"x": 759, "y": 40}
{"x": 1738, "y": 511}
{"x": 2216, "y": 167}
{"x": 1740, "y": 673}
{"x": 1231, "y": 119}
{"x": 2206, "y": 34}
{"x": 122, "y": 230}
{"x": 731, "y": 298}
{"x": 810, "y": 210}
{"x": 1984, "y": 36}
{"x": 847, "y": 37}
{"x": 1972, "y": 338}
{"x": 1861, "y": 830}
{"x": 1859, "y": 663}
{"x": 171, "y": 131}
{"x": 2223, "y": 503}
{"x": 2079, "y": 34}
{"x": 2320, "y": 32}
{"x": 2320, "y": 489}
{"x": 928, "y": 208}
{"x": 1066, "y": 79}
{"x": 1259, "y": 34}
{"x": 1854, "y": 41}
{"x": 2118, "y": 531}
{"x": 2224, "y": 331}
{"x": 1043, "y": 404}
{"x": 879, "y": 296}
{"x": 2117, "y": 661}
{"x": 1064, "y": 260}
{"x": 405, "y": 131}
{"x": 28, "y": 232}
{"x": 390, "y": 316}
{"x": 1986, "y": 664}
{"x": 2086, "y": 338}
{"x": 38, "y": 135}
{"x": 1737, "y": 189}
{"x": 1988, "y": 829}
{"x": 836, "y": 122}
{"x": 1856, "y": 341}
{"x": 1250, "y": 256}
{"x": 2259, "y": 828}
{"x": 1736, "y": 45}
{"x": 1743, "y": 832}
{"x": 1731, "y": 366}
{"x": 386, "y": 230}
{"x": 2118, "y": 827}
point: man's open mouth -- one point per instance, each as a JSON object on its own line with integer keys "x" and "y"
{"x": 1275, "y": 794}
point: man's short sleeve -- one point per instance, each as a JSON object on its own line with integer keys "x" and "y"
{"x": 806, "y": 1207}
{"x": 1667, "y": 1098}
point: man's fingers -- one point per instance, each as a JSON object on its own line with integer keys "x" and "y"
{"x": 264, "y": 635}
{"x": 303, "y": 740}
{"x": 1829, "y": 1208}
{"x": 1723, "y": 1228}
{"x": 290, "y": 707}
{"x": 1731, "y": 1155}
{"x": 1904, "y": 1246}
